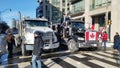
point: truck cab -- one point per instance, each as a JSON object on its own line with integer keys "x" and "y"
{"x": 29, "y": 26}
{"x": 75, "y": 27}
{"x": 80, "y": 37}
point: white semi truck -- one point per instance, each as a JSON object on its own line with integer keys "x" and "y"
{"x": 26, "y": 34}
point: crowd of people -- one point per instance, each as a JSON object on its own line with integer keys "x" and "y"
{"x": 6, "y": 52}
{"x": 8, "y": 39}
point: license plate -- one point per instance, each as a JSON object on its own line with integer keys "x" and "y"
{"x": 94, "y": 44}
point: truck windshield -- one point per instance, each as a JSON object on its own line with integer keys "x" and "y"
{"x": 33, "y": 23}
{"x": 77, "y": 24}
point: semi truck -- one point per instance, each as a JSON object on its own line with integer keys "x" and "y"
{"x": 28, "y": 26}
{"x": 80, "y": 37}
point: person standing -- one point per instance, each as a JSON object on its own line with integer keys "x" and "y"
{"x": 104, "y": 39}
{"x": 117, "y": 46}
{"x": 115, "y": 39}
{"x": 3, "y": 50}
{"x": 38, "y": 43}
{"x": 10, "y": 42}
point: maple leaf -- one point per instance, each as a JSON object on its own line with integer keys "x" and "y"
{"x": 92, "y": 35}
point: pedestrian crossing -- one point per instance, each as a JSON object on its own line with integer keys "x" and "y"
{"x": 98, "y": 59}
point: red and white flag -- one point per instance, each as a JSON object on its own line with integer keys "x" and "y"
{"x": 91, "y": 36}
{"x": 92, "y": 27}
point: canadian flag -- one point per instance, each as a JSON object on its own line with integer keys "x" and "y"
{"x": 91, "y": 36}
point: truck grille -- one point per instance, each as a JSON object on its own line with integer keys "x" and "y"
{"x": 47, "y": 37}
{"x": 48, "y": 34}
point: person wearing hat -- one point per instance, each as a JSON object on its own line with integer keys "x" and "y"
{"x": 36, "y": 55}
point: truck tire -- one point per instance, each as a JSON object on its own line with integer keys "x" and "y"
{"x": 72, "y": 45}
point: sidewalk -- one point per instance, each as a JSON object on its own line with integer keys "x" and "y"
{"x": 109, "y": 44}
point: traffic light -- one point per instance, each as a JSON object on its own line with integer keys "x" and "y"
{"x": 109, "y": 22}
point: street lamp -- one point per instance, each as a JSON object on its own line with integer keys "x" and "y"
{"x": 3, "y": 12}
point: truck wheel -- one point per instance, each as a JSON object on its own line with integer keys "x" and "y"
{"x": 72, "y": 45}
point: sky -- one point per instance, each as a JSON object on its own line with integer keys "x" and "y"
{"x": 26, "y": 7}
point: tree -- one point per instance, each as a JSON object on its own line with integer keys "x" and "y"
{"x": 3, "y": 27}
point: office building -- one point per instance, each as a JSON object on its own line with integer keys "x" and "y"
{"x": 102, "y": 13}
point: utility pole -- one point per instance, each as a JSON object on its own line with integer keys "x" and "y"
{"x": 20, "y": 33}
{"x": 20, "y": 24}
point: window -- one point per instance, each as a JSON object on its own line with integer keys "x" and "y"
{"x": 33, "y": 23}
{"x": 79, "y": 6}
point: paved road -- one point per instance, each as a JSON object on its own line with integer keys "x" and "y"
{"x": 65, "y": 59}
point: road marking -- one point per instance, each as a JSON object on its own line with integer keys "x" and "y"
{"x": 102, "y": 57}
{"x": 105, "y": 54}
{"x": 51, "y": 64}
{"x": 85, "y": 61}
{"x": 102, "y": 64}
{"x": 73, "y": 62}
{"x": 24, "y": 65}
{"x": 63, "y": 63}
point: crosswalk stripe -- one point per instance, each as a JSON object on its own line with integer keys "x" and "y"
{"x": 63, "y": 63}
{"x": 85, "y": 61}
{"x": 79, "y": 55}
{"x": 43, "y": 65}
{"x": 24, "y": 65}
{"x": 102, "y": 57}
{"x": 102, "y": 64}
{"x": 73, "y": 62}
{"x": 107, "y": 55}
{"x": 111, "y": 55}
{"x": 110, "y": 51}
{"x": 51, "y": 64}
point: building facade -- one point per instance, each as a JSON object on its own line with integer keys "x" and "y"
{"x": 102, "y": 13}
{"x": 53, "y": 10}
{"x": 98, "y": 12}
{"x": 43, "y": 10}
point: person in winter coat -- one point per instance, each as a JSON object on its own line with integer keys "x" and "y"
{"x": 104, "y": 39}
{"x": 115, "y": 39}
{"x": 117, "y": 46}
{"x": 3, "y": 50}
{"x": 10, "y": 42}
{"x": 38, "y": 43}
